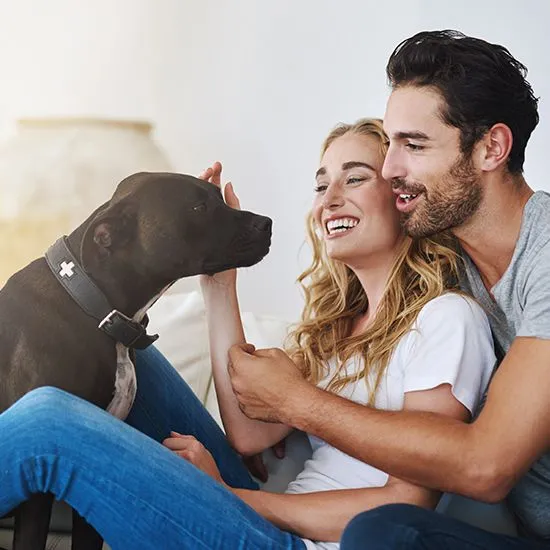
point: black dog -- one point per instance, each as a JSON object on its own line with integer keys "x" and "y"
{"x": 69, "y": 319}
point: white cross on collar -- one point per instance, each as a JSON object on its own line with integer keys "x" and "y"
{"x": 66, "y": 269}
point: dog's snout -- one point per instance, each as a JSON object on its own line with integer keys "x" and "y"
{"x": 261, "y": 223}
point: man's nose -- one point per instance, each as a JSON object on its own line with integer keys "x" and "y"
{"x": 393, "y": 166}
{"x": 333, "y": 197}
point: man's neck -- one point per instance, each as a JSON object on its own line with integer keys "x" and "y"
{"x": 490, "y": 237}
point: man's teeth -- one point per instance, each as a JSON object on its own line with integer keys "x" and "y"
{"x": 340, "y": 225}
{"x": 407, "y": 197}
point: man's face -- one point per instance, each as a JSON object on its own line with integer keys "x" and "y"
{"x": 436, "y": 186}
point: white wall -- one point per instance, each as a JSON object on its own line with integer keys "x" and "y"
{"x": 253, "y": 83}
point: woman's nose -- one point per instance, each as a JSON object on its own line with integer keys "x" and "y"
{"x": 333, "y": 197}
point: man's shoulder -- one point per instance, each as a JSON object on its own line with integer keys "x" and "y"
{"x": 533, "y": 246}
{"x": 537, "y": 211}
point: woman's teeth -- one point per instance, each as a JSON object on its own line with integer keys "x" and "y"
{"x": 341, "y": 225}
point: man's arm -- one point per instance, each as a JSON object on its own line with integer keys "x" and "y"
{"x": 324, "y": 515}
{"x": 482, "y": 460}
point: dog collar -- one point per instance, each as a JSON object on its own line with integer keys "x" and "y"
{"x": 90, "y": 298}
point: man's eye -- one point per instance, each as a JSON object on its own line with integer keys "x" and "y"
{"x": 351, "y": 181}
{"x": 200, "y": 208}
{"x": 414, "y": 147}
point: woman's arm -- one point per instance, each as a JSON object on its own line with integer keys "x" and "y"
{"x": 224, "y": 330}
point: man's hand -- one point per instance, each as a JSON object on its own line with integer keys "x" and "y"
{"x": 265, "y": 382}
{"x": 192, "y": 450}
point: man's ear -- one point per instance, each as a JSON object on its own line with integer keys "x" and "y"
{"x": 109, "y": 230}
{"x": 497, "y": 143}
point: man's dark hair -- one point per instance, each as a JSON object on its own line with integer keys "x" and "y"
{"x": 482, "y": 85}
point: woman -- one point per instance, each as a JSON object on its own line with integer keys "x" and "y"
{"x": 379, "y": 327}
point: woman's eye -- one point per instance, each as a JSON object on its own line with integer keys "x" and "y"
{"x": 351, "y": 181}
{"x": 320, "y": 188}
{"x": 200, "y": 207}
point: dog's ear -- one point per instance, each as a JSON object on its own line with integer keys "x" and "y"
{"x": 109, "y": 230}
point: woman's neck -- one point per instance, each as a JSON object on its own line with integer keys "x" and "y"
{"x": 373, "y": 278}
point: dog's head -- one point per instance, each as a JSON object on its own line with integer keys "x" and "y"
{"x": 169, "y": 226}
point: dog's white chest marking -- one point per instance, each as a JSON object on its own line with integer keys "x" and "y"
{"x": 125, "y": 380}
{"x": 125, "y": 384}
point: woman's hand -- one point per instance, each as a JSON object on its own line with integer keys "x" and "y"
{"x": 213, "y": 175}
{"x": 192, "y": 450}
{"x": 256, "y": 465}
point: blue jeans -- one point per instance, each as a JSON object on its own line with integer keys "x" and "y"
{"x": 134, "y": 491}
{"x": 404, "y": 526}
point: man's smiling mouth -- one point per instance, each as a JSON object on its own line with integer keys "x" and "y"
{"x": 405, "y": 202}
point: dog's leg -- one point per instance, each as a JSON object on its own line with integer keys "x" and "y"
{"x": 85, "y": 537}
{"x": 32, "y": 522}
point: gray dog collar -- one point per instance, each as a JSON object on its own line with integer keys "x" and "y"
{"x": 91, "y": 299}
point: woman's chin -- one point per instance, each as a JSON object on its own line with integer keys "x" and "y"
{"x": 340, "y": 254}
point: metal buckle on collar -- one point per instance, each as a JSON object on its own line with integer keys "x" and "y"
{"x": 109, "y": 318}
{"x": 126, "y": 331}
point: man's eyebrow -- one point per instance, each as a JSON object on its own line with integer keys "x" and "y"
{"x": 411, "y": 135}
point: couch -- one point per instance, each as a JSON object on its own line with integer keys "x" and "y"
{"x": 179, "y": 318}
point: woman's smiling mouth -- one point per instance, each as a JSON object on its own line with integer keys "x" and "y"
{"x": 336, "y": 227}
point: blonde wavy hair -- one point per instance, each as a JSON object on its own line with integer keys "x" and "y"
{"x": 423, "y": 269}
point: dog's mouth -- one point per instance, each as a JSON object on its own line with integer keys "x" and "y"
{"x": 248, "y": 260}
{"x": 245, "y": 254}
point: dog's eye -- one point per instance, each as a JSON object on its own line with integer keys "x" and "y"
{"x": 200, "y": 207}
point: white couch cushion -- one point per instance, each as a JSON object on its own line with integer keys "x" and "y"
{"x": 180, "y": 321}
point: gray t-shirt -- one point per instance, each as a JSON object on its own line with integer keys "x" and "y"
{"x": 521, "y": 307}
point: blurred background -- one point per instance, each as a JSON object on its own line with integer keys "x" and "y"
{"x": 109, "y": 87}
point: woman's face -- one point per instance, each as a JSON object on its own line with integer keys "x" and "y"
{"x": 354, "y": 207}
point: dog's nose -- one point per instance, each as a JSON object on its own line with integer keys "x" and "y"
{"x": 261, "y": 223}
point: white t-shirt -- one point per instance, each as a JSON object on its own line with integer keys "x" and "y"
{"x": 449, "y": 343}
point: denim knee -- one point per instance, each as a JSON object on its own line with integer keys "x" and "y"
{"x": 383, "y": 528}
{"x": 43, "y": 403}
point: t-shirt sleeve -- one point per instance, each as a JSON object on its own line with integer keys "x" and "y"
{"x": 535, "y": 297}
{"x": 451, "y": 343}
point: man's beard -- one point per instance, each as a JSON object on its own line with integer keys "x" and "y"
{"x": 448, "y": 205}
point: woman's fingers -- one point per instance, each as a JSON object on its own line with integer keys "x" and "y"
{"x": 178, "y": 442}
{"x": 256, "y": 466}
{"x": 206, "y": 174}
{"x": 216, "y": 173}
{"x": 230, "y": 197}
{"x": 212, "y": 174}
{"x": 185, "y": 454}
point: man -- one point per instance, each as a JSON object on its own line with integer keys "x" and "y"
{"x": 458, "y": 119}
